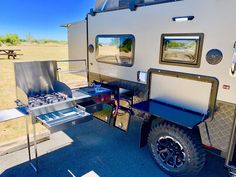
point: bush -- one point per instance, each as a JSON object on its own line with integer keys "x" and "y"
{"x": 9, "y": 39}
{"x": 1, "y": 41}
{"x": 12, "y": 39}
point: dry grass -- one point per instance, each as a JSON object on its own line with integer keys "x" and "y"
{"x": 48, "y": 51}
{"x": 16, "y": 128}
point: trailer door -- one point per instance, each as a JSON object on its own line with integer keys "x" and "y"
{"x": 77, "y": 40}
{"x": 73, "y": 72}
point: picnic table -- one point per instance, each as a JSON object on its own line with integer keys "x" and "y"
{"x": 10, "y": 53}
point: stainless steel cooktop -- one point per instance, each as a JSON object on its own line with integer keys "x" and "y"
{"x": 45, "y": 99}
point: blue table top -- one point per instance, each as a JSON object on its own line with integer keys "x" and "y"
{"x": 174, "y": 114}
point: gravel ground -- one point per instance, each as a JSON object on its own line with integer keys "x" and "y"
{"x": 105, "y": 150}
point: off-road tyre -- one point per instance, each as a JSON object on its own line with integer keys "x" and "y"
{"x": 232, "y": 173}
{"x": 190, "y": 158}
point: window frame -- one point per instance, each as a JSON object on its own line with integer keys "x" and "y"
{"x": 116, "y": 36}
{"x": 198, "y": 54}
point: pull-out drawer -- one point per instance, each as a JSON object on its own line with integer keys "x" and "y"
{"x": 90, "y": 106}
{"x": 62, "y": 119}
{"x": 100, "y": 111}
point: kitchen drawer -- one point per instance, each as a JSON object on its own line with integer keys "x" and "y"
{"x": 62, "y": 119}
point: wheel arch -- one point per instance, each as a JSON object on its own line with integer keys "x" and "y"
{"x": 149, "y": 124}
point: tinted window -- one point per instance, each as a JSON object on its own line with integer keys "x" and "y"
{"x": 181, "y": 49}
{"x": 117, "y": 49}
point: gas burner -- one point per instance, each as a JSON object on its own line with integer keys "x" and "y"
{"x": 45, "y": 99}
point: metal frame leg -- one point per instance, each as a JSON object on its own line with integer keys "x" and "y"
{"x": 28, "y": 139}
{"x": 35, "y": 148}
{"x": 35, "y": 167}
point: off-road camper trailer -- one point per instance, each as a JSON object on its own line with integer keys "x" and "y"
{"x": 168, "y": 61}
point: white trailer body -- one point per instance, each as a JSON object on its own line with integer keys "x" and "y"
{"x": 211, "y": 22}
{"x": 147, "y": 24}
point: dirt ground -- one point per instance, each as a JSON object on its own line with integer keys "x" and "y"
{"x": 52, "y": 51}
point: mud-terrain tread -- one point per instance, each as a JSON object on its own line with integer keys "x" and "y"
{"x": 192, "y": 141}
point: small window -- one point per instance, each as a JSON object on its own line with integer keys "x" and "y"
{"x": 115, "y": 49}
{"x": 181, "y": 49}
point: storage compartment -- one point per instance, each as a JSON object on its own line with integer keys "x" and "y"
{"x": 90, "y": 106}
{"x": 122, "y": 119}
{"x": 126, "y": 98}
{"x": 97, "y": 104}
{"x": 101, "y": 111}
{"x": 105, "y": 114}
{"x": 60, "y": 120}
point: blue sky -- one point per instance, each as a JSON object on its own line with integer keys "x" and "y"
{"x": 41, "y": 18}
